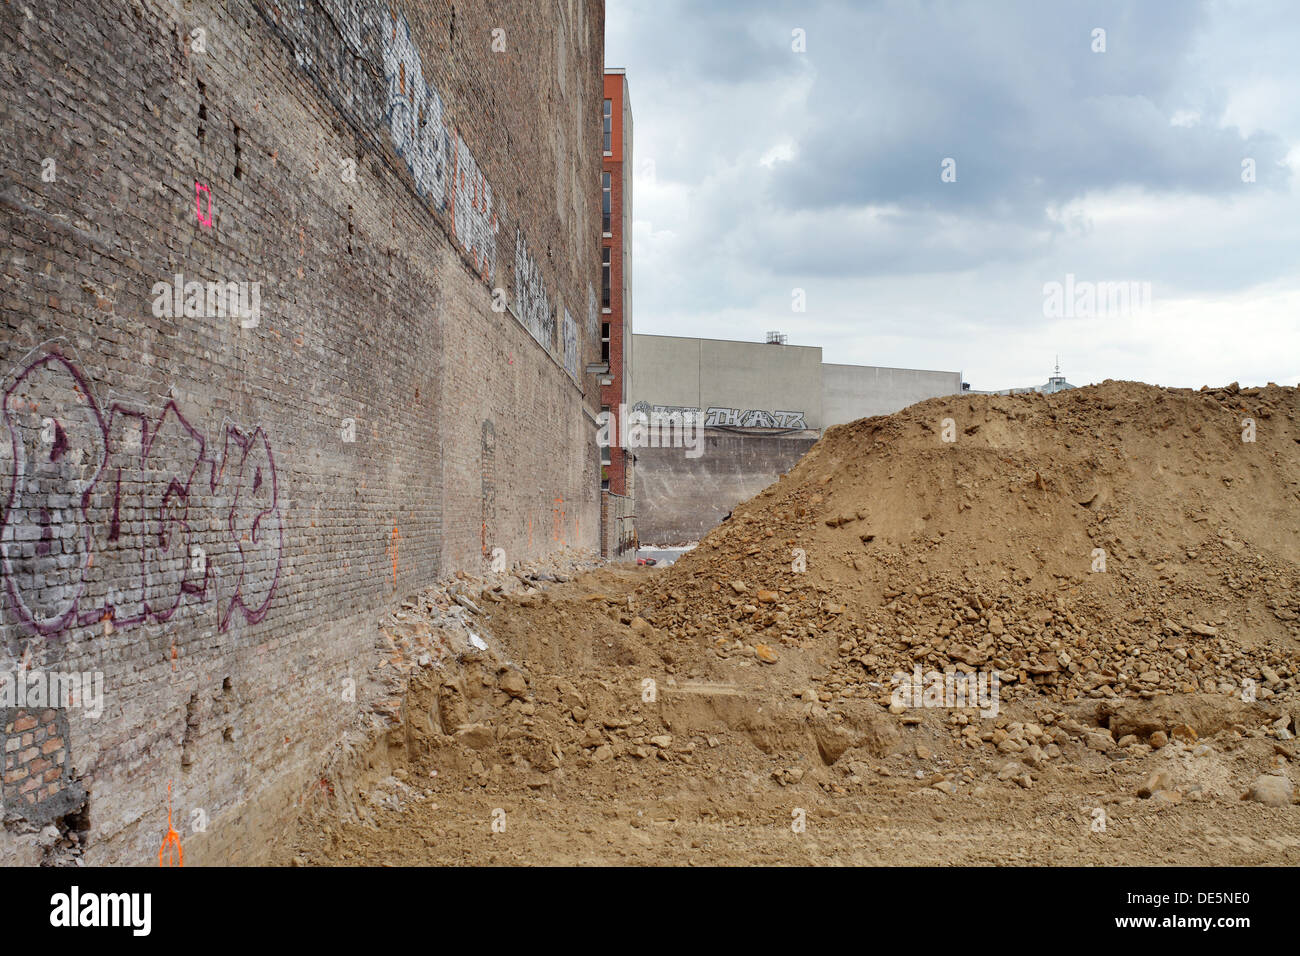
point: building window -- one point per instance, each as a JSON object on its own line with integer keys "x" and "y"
{"x": 604, "y": 277}
{"x": 605, "y": 458}
{"x": 604, "y": 341}
{"x": 609, "y": 126}
{"x": 606, "y": 200}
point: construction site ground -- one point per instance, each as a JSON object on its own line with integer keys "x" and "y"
{"x": 1118, "y": 555}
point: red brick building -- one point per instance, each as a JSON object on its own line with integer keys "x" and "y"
{"x": 618, "y": 489}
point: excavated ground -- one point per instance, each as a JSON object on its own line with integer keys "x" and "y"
{"x": 1123, "y": 557}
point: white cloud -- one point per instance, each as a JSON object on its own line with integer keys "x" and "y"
{"x": 821, "y": 171}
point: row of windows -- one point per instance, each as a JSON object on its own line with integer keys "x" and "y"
{"x": 604, "y": 277}
{"x": 606, "y": 212}
{"x": 606, "y": 201}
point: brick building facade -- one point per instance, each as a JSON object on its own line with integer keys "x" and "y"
{"x": 617, "y": 473}
{"x": 296, "y": 309}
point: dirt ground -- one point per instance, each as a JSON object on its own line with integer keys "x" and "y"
{"x": 1120, "y": 557}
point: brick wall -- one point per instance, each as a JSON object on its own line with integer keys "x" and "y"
{"x": 37, "y": 781}
{"x": 618, "y": 527}
{"x": 211, "y": 492}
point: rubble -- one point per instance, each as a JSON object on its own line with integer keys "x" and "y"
{"x": 1094, "y": 551}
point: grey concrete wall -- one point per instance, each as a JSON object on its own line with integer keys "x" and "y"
{"x": 851, "y": 392}
{"x": 704, "y": 373}
{"x": 679, "y": 499}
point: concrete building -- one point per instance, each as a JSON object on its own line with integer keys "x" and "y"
{"x": 618, "y": 480}
{"x": 850, "y": 392}
{"x": 762, "y": 406}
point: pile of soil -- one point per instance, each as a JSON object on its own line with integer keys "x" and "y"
{"x": 1118, "y": 555}
{"x": 1107, "y": 541}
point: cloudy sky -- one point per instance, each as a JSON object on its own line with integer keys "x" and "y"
{"x": 761, "y": 170}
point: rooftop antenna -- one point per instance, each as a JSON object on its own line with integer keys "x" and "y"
{"x": 1058, "y": 366}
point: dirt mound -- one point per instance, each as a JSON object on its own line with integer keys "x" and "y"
{"x": 1117, "y": 557}
{"x": 1114, "y": 540}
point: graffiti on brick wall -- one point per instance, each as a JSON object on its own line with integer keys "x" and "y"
{"x": 570, "y": 345}
{"x": 121, "y": 515}
{"x": 717, "y": 415}
{"x": 349, "y": 44}
{"x": 532, "y": 304}
{"x": 422, "y": 134}
{"x": 415, "y": 113}
{"x": 472, "y": 216}
{"x": 433, "y": 151}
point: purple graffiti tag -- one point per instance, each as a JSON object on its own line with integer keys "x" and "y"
{"x": 45, "y": 539}
{"x": 253, "y": 523}
{"x": 173, "y": 453}
{"x": 114, "y": 520}
{"x": 115, "y": 583}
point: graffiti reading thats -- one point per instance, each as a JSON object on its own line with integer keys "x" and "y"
{"x": 102, "y": 522}
{"x": 717, "y": 415}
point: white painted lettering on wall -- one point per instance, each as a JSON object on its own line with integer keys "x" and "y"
{"x": 434, "y": 152}
{"x": 415, "y": 114}
{"x": 532, "y": 303}
{"x": 570, "y": 345}
{"x": 718, "y": 415}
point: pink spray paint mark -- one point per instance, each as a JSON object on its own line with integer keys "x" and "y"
{"x": 199, "y": 190}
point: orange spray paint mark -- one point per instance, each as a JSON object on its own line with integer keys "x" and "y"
{"x": 392, "y": 547}
{"x": 172, "y": 839}
{"x": 530, "y": 532}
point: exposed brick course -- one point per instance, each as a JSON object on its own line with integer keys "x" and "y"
{"x": 211, "y": 504}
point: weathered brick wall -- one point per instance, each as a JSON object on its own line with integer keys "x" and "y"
{"x": 208, "y": 500}
{"x": 37, "y": 777}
